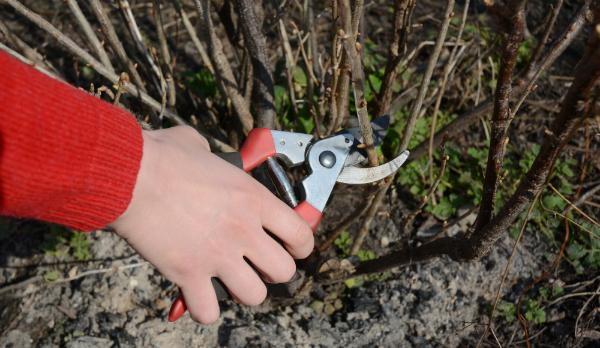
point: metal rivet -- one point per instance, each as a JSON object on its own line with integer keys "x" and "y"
{"x": 282, "y": 142}
{"x": 300, "y": 144}
{"x": 327, "y": 159}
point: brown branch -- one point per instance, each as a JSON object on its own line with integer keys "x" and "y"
{"x": 412, "y": 120}
{"x": 513, "y": 34}
{"x": 403, "y": 10}
{"x": 224, "y": 73}
{"x": 416, "y": 108}
{"x": 358, "y": 84}
{"x": 450, "y": 65}
{"x": 537, "y": 52}
{"x": 587, "y": 75}
{"x": 465, "y": 120}
{"x": 90, "y": 34}
{"x": 113, "y": 39}
{"x": 195, "y": 40}
{"x": 344, "y": 21}
{"x": 255, "y": 43}
{"x": 167, "y": 62}
{"x": 157, "y": 74}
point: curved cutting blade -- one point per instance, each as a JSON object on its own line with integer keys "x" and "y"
{"x": 358, "y": 176}
{"x": 357, "y": 155}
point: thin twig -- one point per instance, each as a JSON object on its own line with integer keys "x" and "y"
{"x": 506, "y": 269}
{"x": 36, "y": 279}
{"x": 463, "y": 121}
{"x": 452, "y": 61}
{"x": 195, "y": 40}
{"x": 416, "y": 108}
{"x": 158, "y": 77}
{"x": 167, "y": 62}
{"x": 224, "y": 74}
{"x": 573, "y": 206}
{"x": 113, "y": 39}
{"x": 90, "y": 34}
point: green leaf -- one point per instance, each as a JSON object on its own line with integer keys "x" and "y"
{"x": 353, "y": 282}
{"x": 300, "y": 77}
{"x": 51, "y": 276}
{"x": 444, "y": 209}
{"x": 553, "y": 202}
{"x": 507, "y": 311}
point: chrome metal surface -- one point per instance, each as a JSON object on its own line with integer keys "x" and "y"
{"x": 317, "y": 186}
{"x": 380, "y": 127}
{"x": 327, "y": 159}
{"x": 291, "y": 147}
{"x": 357, "y": 176}
{"x": 282, "y": 183}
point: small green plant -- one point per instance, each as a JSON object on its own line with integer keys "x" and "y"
{"x": 61, "y": 243}
{"x": 507, "y": 311}
{"x": 343, "y": 243}
{"x": 202, "y": 83}
{"x": 533, "y": 312}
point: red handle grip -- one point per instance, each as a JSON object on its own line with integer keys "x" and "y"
{"x": 257, "y": 148}
{"x": 178, "y": 308}
{"x": 310, "y": 214}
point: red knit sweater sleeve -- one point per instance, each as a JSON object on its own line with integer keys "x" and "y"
{"x": 65, "y": 156}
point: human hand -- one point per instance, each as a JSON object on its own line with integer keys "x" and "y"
{"x": 195, "y": 216}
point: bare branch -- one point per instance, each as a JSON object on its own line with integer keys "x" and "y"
{"x": 255, "y": 43}
{"x": 452, "y": 62}
{"x": 416, "y": 108}
{"x": 403, "y": 10}
{"x": 113, "y": 39}
{"x": 158, "y": 77}
{"x": 192, "y": 32}
{"x": 573, "y": 111}
{"x": 224, "y": 73}
{"x": 513, "y": 36}
{"x": 167, "y": 62}
{"x": 461, "y": 123}
{"x": 90, "y": 34}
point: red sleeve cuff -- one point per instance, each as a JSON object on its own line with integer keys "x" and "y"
{"x": 65, "y": 156}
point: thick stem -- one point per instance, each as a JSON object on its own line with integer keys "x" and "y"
{"x": 513, "y": 36}
{"x": 224, "y": 74}
{"x": 255, "y": 43}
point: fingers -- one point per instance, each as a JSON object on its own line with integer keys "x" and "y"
{"x": 287, "y": 225}
{"x": 201, "y": 301}
{"x": 273, "y": 262}
{"x": 244, "y": 284}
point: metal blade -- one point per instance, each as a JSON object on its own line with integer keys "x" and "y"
{"x": 358, "y": 176}
{"x": 380, "y": 127}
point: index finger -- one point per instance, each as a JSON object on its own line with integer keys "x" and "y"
{"x": 287, "y": 225}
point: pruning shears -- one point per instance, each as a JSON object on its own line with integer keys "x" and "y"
{"x": 337, "y": 158}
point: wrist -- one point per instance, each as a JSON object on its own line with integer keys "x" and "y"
{"x": 144, "y": 184}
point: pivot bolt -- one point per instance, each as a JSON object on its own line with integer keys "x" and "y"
{"x": 327, "y": 159}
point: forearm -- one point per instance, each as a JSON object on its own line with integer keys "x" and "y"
{"x": 65, "y": 156}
